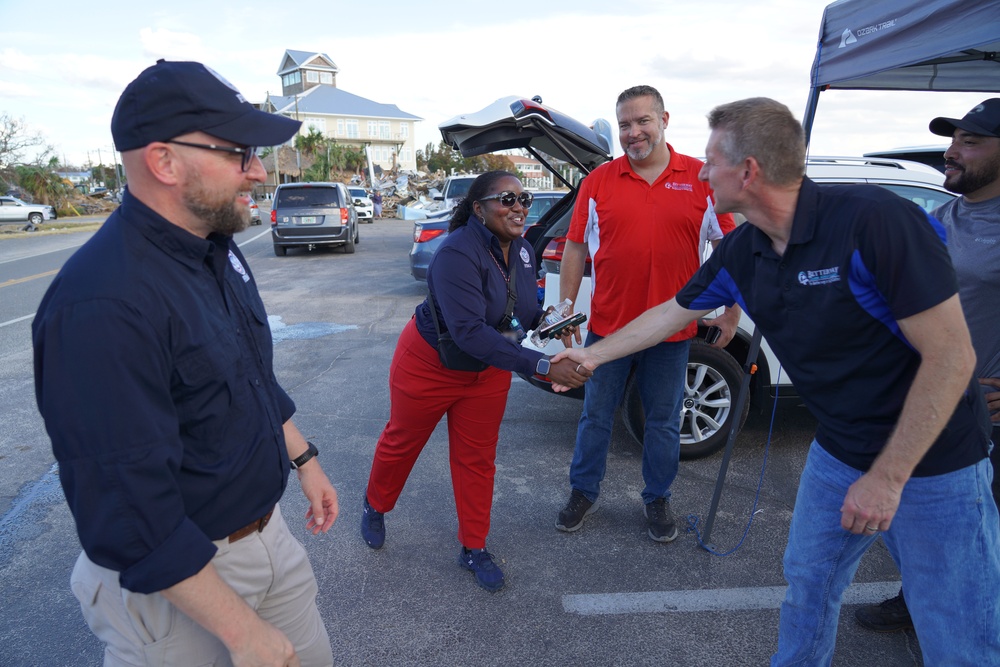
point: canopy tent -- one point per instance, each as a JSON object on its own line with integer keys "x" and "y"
{"x": 942, "y": 45}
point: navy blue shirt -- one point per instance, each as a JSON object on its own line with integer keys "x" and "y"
{"x": 859, "y": 259}
{"x": 467, "y": 280}
{"x": 153, "y": 372}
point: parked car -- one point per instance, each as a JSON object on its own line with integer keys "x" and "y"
{"x": 363, "y": 204}
{"x": 254, "y": 212}
{"x": 13, "y": 209}
{"x": 311, "y": 215}
{"x": 714, "y": 375}
{"x": 429, "y": 233}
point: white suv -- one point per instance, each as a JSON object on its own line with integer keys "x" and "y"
{"x": 363, "y": 204}
{"x": 714, "y": 376}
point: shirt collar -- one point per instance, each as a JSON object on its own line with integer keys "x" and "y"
{"x": 803, "y": 222}
{"x": 179, "y": 243}
{"x": 625, "y": 167}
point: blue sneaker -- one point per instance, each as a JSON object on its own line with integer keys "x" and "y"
{"x": 372, "y": 526}
{"x": 479, "y": 561}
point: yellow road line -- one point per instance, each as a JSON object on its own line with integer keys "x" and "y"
{"x": 17, "y": 281}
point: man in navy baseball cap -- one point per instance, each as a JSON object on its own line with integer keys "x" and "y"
{"x": 174, "y": 98}
{"x": 983, "y": 119}
{"x": 154, "y": 374}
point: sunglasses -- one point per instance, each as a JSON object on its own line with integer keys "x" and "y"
{"x": 508, "y": 198}
{"x": 248, "y": 153}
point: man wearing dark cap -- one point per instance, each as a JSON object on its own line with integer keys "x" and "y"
{"x": 972, "y": 221}
{"x": 153, "y": 372}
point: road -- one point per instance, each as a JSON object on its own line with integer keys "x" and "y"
{"x": 605, "y": 595}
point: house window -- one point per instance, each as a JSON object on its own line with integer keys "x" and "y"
{"x": 404, "y": 155}
{"x": 372, "y": 128}
{"x": 383, "y": 129}
{"x": 292, "y": 79}
{"x": 404, "y": 130}
{"x": 318, "y": 123}
{"x": 312, "y": 77}
{"x": 326, "y": 77}
{"x": 340, "y": 127}
{"x": 352, "y": 128}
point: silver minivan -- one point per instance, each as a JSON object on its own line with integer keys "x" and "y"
{"x": 310, "y": 215}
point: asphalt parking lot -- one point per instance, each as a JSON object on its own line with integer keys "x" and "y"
{"x": 605, "y": 595}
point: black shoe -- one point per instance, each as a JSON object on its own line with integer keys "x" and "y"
{"x": 571, "y": 517}
{"x": 889, "y": 616}
{"x": 372, "y": 526}
{"x": 660, "y": 521}
{"x": 480, "y": 563}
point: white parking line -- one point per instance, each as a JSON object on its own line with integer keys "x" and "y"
{"x": 28, "y": 317}
{"x": 717, "y": 599}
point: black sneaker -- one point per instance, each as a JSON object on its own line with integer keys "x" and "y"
{"x": 480, "y": 562}
{"x": 571, "y": 517}
{"x": 660, "y": 521}
{"x": 372, "y": 526}
{"x": 888, "y": 616}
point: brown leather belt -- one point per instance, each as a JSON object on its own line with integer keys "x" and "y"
{"x": 254, "y": 527}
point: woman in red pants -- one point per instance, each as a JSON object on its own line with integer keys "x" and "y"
{"x": 482, "y": 294}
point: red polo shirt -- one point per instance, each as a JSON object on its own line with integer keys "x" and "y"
{"x": 643, "y": 238}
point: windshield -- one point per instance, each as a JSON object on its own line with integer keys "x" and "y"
{"x": 358, "y": 192}
{"x": 307, "y": 197}
{"x": 459, "y": 187}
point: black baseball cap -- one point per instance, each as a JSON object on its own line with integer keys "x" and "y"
{"x": 174, "y": 98}
{"x": 984, "y": 119}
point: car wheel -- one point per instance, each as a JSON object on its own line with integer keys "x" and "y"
{"x": 35, "y": 218}
{"x": 351, "y": 240}
{"x": 357, "y": 235}
{"x": 280, "y": 251}
{"x": 710, "y": 387}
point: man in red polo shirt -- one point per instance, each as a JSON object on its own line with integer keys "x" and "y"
{"x": 640, "y": 217}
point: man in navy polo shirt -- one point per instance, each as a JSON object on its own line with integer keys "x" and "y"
{"x": 153, "y": 372}
{"x": 855, "y": 292}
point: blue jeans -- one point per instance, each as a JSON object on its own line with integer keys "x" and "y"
{"x": 945, "y": 538}
{"x": 660, "y": 374}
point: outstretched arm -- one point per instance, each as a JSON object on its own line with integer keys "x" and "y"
{"x": 655, "y": 325}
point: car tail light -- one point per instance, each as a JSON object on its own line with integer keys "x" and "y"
{"x": 274, "y": 217}
{"x": 343, "y": 217}
{"x": 526, "y": 107}
{"x": 555, "y": 248}
{"x": 421, "y": 235}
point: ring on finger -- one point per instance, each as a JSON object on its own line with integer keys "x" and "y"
{"x": 873, "y": 529}
{"x": 578, "y": 367}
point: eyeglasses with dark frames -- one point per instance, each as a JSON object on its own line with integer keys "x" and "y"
{"x": 507, "y": 198}
{"x": 248, "y": 153}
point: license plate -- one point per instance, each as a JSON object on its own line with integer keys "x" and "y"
{"x": 307, "y": 220}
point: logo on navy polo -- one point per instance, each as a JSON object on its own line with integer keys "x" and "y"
{"x": 686, "y": 187}
{"x": 525, "y": 257}
{"x": 820, "y": 277}
{"x": 235, "y": 261}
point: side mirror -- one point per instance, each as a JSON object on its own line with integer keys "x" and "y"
{"x": 439, "y": 198}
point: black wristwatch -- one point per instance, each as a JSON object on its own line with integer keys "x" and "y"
{"x": 543, "y": 366}
{"x": 304, "y": 458}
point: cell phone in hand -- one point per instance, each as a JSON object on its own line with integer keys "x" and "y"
{"x": 712, "y": 335}
{"x": 556, "y": 329}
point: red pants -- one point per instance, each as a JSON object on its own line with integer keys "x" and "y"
{"x": 422, "y": 391}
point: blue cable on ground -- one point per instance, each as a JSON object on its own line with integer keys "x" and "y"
{"x": 693, "y": 519}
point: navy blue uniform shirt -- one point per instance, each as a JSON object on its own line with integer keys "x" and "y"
{"x": 467, "y": 278}
{"x": 153, "y": 374}
{"x": 859, "y": 259}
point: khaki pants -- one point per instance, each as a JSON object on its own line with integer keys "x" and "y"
{"x": 270, "y": 570}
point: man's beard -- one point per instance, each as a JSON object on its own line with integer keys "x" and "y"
{"x": 638, "y": 155}
{"x": 968, "y": 181}
{"x": 224, "y": 217}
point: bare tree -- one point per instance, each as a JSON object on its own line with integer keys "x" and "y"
{"x": 16, "y": 138}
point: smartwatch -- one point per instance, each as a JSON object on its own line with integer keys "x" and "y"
{"x": 304, "y": 458}
{"x": 543, "y": 366}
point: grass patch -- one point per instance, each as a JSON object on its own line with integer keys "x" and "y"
{"x": 47, "y": 229}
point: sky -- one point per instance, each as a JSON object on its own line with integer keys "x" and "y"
{"x": 63, "y": 65}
